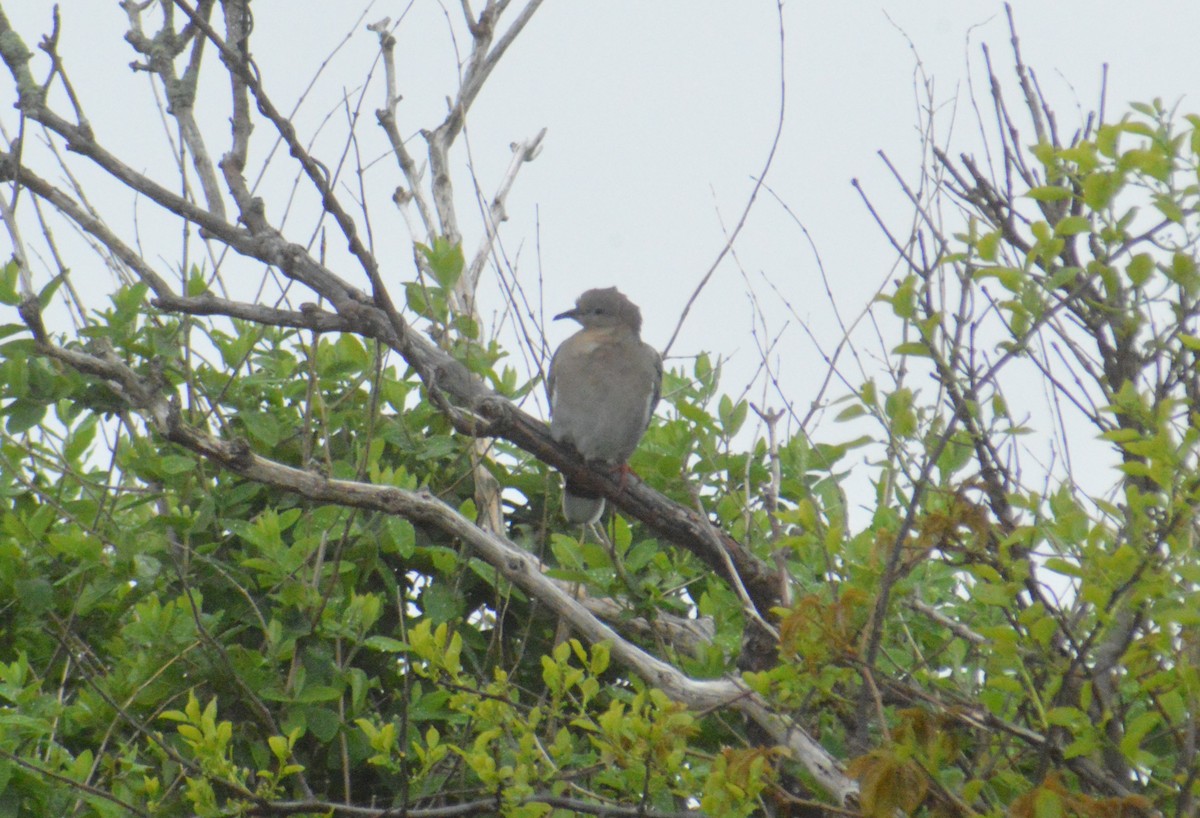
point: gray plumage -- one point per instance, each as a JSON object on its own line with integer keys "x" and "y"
{"x": 604, "y": 382}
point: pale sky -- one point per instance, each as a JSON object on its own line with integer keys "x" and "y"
{"x": 659, "y": 113}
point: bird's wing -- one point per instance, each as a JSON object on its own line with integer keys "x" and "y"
{"x": 656, "y": 393}
{"x": 550, "y": 381}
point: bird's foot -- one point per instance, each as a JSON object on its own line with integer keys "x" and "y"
{"x": 623, "y": 471}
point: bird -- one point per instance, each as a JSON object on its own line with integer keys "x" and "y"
{"x": 604, "y": 382}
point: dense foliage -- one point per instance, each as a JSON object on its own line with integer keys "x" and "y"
{"x": 183, "y": 631}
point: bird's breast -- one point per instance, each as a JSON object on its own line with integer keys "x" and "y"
{"x": 602, "y": 395}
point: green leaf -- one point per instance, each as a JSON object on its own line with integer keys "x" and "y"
{"x": 1140, "y": 268}
{"x": 176, "y": 464}
{"x": 1153, "y": 162}
{"x": 8, "y": 284}
{"x": 1061, "y": 566}
{"x": 992, "y": 595}
{"x": 445, "y": 261}
{"x": 385, "y": 644}
{"x": 1183, "y": 272}
{"x": 988, "y": 245}
{"x": 899, "y": 408}
{"x": 852, "y": 411}
{"x": 1082, "y": 155}
{"x": 869, "y": 393}
{"x": 429, "y": 302}
{"x": 129, "y": 300}
{"x": 261, "y": 426}
{"x": 640, "y": 555}
{"x": 1099, "y": 188}
{"x": 318, "y": 693}
{"x": 47, "y": 293}
{"x": 323, "y": 722}
{"x": 956, "y": 454}
{"x": 1136, "y": 731}
{"x": 1106, "y": 140}
{"x": 401, "y": 536}
{"x": 1072, "y": 225}
{"x": 622, "y": 534}
{"x": 1049, "y": 193}
{"x": 36, "y": 595}
{"x": 1044, "y": 152}
{"x": 23, "y": 415}
{"x": 1069, "y": 717}
{"x": 197, "y": 284}
{"x": 904, "y": 301}
{"x": 80, "y": 439}
{"x": 441, "y": 603}
{"x": 1011, "y": 278}
{"x": 1169, "y": 207}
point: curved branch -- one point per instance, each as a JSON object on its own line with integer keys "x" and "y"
{"x": 147, "y": 397}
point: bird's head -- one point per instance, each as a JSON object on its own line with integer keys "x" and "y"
{"x": 600, "y": 308}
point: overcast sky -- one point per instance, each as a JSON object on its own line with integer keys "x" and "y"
{"x": 659, "y": 115}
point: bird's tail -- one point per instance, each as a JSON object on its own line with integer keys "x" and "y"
{"x": 580, "y": 506}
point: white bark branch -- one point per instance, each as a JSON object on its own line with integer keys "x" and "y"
{"x": 523, "y": 152}
{"x": 516, "y": 565}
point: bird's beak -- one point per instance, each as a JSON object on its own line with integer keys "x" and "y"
{"x": 572, "y": 313}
